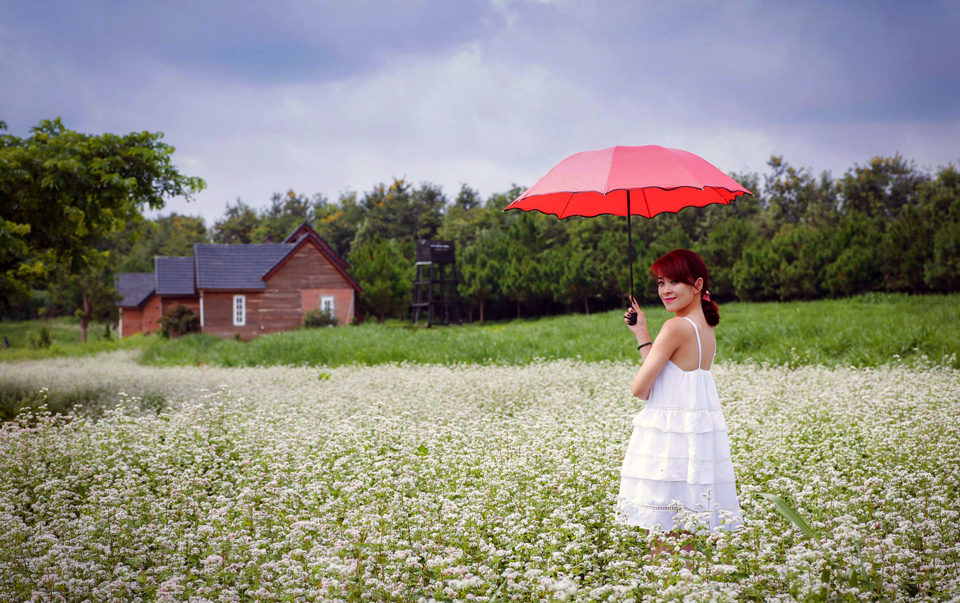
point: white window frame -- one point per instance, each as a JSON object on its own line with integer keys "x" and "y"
{"x": 242, "y": 310}
{"x": 333, "y": 306}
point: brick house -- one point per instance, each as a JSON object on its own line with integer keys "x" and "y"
{"x": 248, "y": 290}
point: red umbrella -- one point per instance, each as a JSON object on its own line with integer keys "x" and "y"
{"x": 624, "y": 181}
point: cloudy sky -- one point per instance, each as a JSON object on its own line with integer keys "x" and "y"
{"x": 259, "y": 97}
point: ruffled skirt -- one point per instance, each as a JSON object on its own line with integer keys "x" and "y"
{"x": 677, "y": 471}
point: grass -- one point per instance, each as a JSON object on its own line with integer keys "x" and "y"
{"x": 867, "y": 330}
{"x": 65, "y": 339}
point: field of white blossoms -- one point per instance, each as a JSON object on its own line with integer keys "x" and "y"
{"x": 487, "y": 483}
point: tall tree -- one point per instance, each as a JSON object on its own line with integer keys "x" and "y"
{"x": 400, "y": 212}
{"x": 90, "y": 290}
{"x": 63, "y": 192}
{"x": 338, "y": 222}
{"x": 882, "y": 187}
{"x": 170, "y": 235}
{"x": 238, "y": 224}
{"x": 479, "y": 265}
{"x": 940, "y": 205}
{"x": 384, "y": 275}
{"x": 467, "y": 198}
{"x": 428, "y": 202}
{"x": 285, "y": 213}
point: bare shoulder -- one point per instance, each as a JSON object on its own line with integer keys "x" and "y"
{"x": 675, "y": 323}
{"x": 672, "y": 328}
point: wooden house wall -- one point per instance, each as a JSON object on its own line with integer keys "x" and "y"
{"x": 282, "y": 308}
{"x": 218, "y": 314}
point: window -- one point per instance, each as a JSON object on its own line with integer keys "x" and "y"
{"x": 239, "y": 310}
{"x": 326, "y": 304}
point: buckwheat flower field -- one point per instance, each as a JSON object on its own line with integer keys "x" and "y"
{"x": 465, "y": 482}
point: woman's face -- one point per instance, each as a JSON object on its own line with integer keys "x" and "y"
{"x": 676, "y": 295}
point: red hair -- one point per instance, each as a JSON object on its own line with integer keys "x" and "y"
{"x": 686, "y": 266}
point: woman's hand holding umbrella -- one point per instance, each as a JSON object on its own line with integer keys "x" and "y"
{"x": 640, "y": 327}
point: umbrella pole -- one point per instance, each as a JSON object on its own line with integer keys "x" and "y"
{"x": 629, "y": 244}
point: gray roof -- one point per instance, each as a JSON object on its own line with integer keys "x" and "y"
{"x": 174, "y": 275}
{"x": 134, "y": 287}
{"x": 236, "y": 266}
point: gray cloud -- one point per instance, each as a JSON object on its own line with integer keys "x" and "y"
{"x": 321, "y": 99}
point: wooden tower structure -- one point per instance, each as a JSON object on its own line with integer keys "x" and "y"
{"x": 435, "y": 286}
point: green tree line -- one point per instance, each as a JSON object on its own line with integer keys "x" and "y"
{"x": 886, "y": 225}
{"x": 883, "y": 226}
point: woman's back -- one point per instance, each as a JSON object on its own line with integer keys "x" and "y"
{"x": 691, "y": 356}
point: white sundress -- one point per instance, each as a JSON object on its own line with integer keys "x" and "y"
{"x": 679, "y": 451}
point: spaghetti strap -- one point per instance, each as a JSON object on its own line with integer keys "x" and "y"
{"x": 699, "y": 347}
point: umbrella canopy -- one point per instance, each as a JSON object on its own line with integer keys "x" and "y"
{"x": 624, "y": 181}
{"x": 594, "y": 183}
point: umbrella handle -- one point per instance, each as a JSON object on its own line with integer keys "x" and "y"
{"x": 633, "y": 315}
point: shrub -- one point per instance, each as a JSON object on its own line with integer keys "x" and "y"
{"x": 319, "y": 318}
{"x": 180, "y": 321}
{"x": 41, "y": 338}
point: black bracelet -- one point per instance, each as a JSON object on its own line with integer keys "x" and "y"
{"x": 643, "y": 344}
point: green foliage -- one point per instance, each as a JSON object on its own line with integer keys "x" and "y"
{"x": 181, "y": 320}
{"x": 942, "y": 273}
{"x": 882, "y": 187}
{"x": 384, "y": 275}
{"x": 171, "y": 235}
{"x": 41, "y": 338}
{"x": 940, "y": 205}
{"x": 857, "y": 265}
{"x": 906, "y": 249}
{"x": 339, "y": 223}
{"x": 65, "y": 192}
{"x": 790, "y": 513}
{"x": 883, "y": 226}
{"x": 89, "y": 289}
{"x": 401, "y": 213}
{"x": 319, "y": 318}
{"x": 756, "y": 273}
{"x": 237, "y": 225}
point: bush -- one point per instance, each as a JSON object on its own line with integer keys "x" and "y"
{"x": 318, "y": 318}
{"x": 180, "y": 321}
{"x": 41, "y": 338}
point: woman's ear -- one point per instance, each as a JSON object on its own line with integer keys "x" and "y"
{"x": 699, "y": 284}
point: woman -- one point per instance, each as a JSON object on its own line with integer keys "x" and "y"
{"x": 679, "y": 452}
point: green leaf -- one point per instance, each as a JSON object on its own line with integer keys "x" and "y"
{"x": 790, "y": 513}
{"x": 422, "y": 450}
